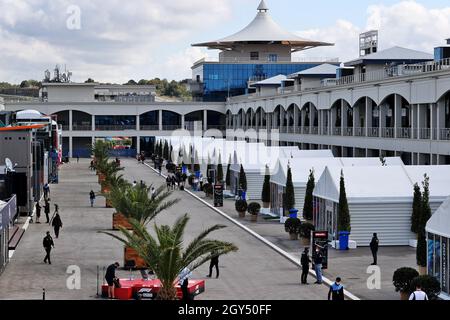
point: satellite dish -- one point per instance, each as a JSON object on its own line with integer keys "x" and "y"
{"x": 9, "y": 165}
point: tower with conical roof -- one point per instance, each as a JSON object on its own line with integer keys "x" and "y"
{"x": 261, "y": 50}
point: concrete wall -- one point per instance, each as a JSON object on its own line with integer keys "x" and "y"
{"x": 70, "y": 93}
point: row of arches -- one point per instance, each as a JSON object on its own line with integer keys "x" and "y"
{"x": 364, "y": 117}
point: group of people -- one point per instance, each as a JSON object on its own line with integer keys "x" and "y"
{"x": 55, "y": 221}
{"x": 176, "y": 181}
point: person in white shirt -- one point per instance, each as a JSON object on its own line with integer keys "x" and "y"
{"x": 418, "y": 294}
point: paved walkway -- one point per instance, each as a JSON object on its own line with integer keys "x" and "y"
{"x": 351, "y": 265}
{"x": 254, "y": 272}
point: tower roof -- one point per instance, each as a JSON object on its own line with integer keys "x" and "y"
{"x": 263, "y": 29}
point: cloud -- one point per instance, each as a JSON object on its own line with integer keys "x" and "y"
{"x": 118, "y": 40}
{"x": 407, "y": 24}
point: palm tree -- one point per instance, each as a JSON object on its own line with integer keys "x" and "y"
{"x": 113, "y": 182}
{"x": 165, "y": 254}
{"x": 108, "y": 170}
{"x": 135, "y": 202}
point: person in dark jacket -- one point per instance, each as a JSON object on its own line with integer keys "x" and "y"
{"x": 92, "y": 197}
{"x": 47, "y": 210}
{"x": 48, "y": 244}
{"x": 168, "y": 183}
{"x": 336, "y": 292}
{"x": 318, "y": 260}
{"x": 304, "y": 261}
{"x": 46, "y": 191}
{"x": 38, "y": 211}
{"x": 214, "y": 263}
{"x": 57, "y": 224}
{"x": 185, "y": 290}
{"x": 110, "y": 276}
{"x": 374, "y": 248}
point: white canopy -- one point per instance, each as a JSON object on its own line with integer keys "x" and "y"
{"x": 439, "y": 179}
{"x": 439, "y": 224}
{"x": 263, "y": 30}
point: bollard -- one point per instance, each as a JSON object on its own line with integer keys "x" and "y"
{"x": 43, "y": 294}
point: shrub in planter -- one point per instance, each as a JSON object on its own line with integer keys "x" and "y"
{"x": 429, "y": 284}
{"x": 254, "y": 209}
{"x": 402, "y": 281}
{"x": 241, "y": 207}
{"x": 292, "y": 226}
{"x": 305, "y": 231}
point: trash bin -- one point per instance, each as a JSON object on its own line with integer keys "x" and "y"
{"x": 343, "y": 240}
{"x": 293, "y": 213}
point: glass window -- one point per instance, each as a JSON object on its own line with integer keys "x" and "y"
{"x": 430, "y": 253}
{"x": 254, "y": 55}
{"x": 445, "y": 270}
{"x": 437, "y": 257}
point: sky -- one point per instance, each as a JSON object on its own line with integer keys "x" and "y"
{"x": 115, "y": 40}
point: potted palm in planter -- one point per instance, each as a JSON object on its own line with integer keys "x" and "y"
{"x": 167, "y": 255}
{"x": 292, "y": 226}
{"x": 241, "y": 207}
{"x": 254, "y": 208}
{"x": 402, "y": 280}
{"x": 135, "y": 204}
{"x": 305, "y": 233}
{"x": 113, "y": 182}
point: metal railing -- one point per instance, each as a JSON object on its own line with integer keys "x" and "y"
{"x": 149, "y": 127}
{"x": 337, "y": 131}
{"x": 387, "y": 132}
{"x": 306, "y": 130}
{"x": 171, "y": 127}
{"x": 445, "y": 134}
{"x": 373, "y": 132}
{"x": 114, "y": 127}
{"x": 404, "y": 133}
{"x": 348, "y": 132}
{"x": 315, "y": 130}
{"x": 424, "y": 133}
{"x": 403, "y": 70}
{"x": 82, "y": 127}
{"x": 360, "y": 132}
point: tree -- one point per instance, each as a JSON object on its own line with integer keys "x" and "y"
{"x": 90, "y": 80}
{"x": 429, "y": 284}
{"x": 416, "y": 210}
{"x": 425, "y": 215}
{"x": 265, "y": 194}
{"x": 219, "y": 172}
{"x": 343, "y": 213}
{"x": 402, "y": 279}
{"x": 289, "y": 197}
{"x": 308, "y": 206}
{"x": 242, "y": 179}
{"x": 166, "y": 150}
{"x": 135, "y": 202}
{"x": 165, "y": 254}
{"x": 131, "y": 82}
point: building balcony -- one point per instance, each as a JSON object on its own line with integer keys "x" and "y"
{"x": 152, "y": 127}
{"x": 171, "y": 127}
{"x": 114, "y": 127}
{"x": 82, "y": 127}
{"x": 387, "y": 133}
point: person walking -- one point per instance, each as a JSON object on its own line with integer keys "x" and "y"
{"x": 92, "y": 198}
{"x": 47, "y": 211}
{"x": 336, "y": 292}
{"x": 418, "y": 294}
{"x": 214, "y": 263}
{"x": 48, "y": 244}
{"x": 78, "y": 158}
{"x": 134, "y": 183}
{"x": 174, "y": 182}
{"x": 185, "y": 290}
{"x": 168, "y": 183}
{"x": 304, "y": 261}
{"x": 46, "y": 191}
{"x": 57, "y": 224}
{"x": 110, "y": 276}
{"x": 153, "y": 193}
{"x": 38, "y": 211}
{"x": 318, "y": 260}
{"x": 374, "y": 248}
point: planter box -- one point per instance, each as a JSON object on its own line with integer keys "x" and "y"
{"x": 253, "y": 218}
{"x": 305, "y": 242}
{"x": 266, "y": 205}
{"x": 108, "y": 203}
{"x": 119, "y": 220}
{"x": 131, "y": 254}
{"x": 293, "y": 236}
{"x": 351, "y": 244}
{"x": 413, "y": 243}
{"x": 241, "y": 214}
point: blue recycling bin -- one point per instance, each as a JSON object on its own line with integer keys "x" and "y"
{"x": 343, "y": 240}
{"x": 293, "y": 213}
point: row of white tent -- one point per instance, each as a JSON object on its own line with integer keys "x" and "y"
{"x": 379, "y": 194}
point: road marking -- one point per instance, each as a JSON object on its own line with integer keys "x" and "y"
{"x": 285, "y": 254}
